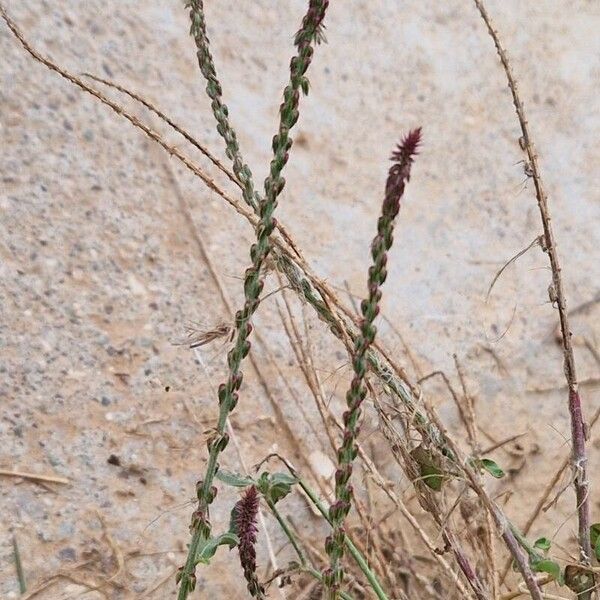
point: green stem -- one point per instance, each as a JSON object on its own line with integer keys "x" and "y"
{"x": 220, "y": 111}
{"x": 352, "y": 549}
{"x": 305, "y": 566}
{"x": 19, "y": 566}
{"x": 523, "y": 541}
{"x": 290, "y": 536}
{"x": 398, "y": 177}
{"x": 317, "y": 575}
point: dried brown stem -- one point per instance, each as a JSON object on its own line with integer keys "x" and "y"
{"x": 502, "y": 523}
{"x": 428, "y": 502}
{"x": 557, "y": 295}
{"x": 546, "y": 493}
{"x": 169, "y": 121}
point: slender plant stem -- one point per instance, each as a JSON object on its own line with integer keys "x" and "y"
{"x": 169, "y": 121}
{"x": 520, "y": 560}
{"x": 291, "y": 537}
{"x": 398, "y": 177}
{"x": 304, "y": 565}
{"x": 352, "y": 549}
{"x": 502, "y": 522}
{"x": 307, "y": 36}
{"x": 19, "y": 566}
{"x": 318, "y": 575}
{"x": 219, "y": 108}
{"x": 579, "y": 459}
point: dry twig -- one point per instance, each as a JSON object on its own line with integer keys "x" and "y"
{"x": 557, "y": 296}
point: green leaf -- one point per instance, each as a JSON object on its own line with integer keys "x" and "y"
{"x": 281, "y": 486}
{"x": 210, "y": 547}
{"x": 429, "y": 467}
{"x": 275, "y": 487}
{"x": 542, "y": 544}
{"x": 263, "y": 483}
{"x": 432, "y": 477}
{"x": 233, "y": 479}
{"x": 283, "y": 478}
{"x": 492, "y": 468}
{"x": 594, "y": 532}
{"x": 595, "y": 537}
{"x": 545, "y": 565}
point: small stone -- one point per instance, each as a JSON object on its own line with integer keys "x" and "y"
{"x": 67, "y": 554}
{"x": 113, "y": 459}
{"x": 44, "y": 535}
{"x": 66, "y": 530}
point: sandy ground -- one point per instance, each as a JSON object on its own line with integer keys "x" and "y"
{"x": 100, "y": 272}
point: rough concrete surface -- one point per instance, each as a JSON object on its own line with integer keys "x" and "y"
{"x": 100, "y": 274}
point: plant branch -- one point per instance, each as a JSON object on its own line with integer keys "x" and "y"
{"x": 220, "y": 111}
{"x": 557, "y": 296}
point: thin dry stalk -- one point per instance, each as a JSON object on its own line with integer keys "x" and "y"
{"x": 461, "y": 410}
{"x": 502, "y": 523}
{"x": 303, "y": 359}
{"x": 34, "y": 477}
{"x": 536, "y": 242}
{"x": 539, "y": 507}
{"x": 579, "y": 461}
{"x": 471, "y": 422}
{"x": 428, "y": 502}
{"x": 377, "y": 477}
{"x": 169, "y": 121}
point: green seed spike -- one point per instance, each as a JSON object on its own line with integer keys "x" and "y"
{"x": 228, "y": 397}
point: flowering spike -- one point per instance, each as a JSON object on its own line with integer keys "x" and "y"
{"x": 398, "y": 176}
{"x": 244, "y": 520}
{"x": 399, "y": 173}
{"x": 408, "y": 147}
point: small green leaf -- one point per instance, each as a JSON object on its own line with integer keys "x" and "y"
{"x": 545, "y": 565}
{"x": 263, "y": 483}
{"x": 281, "y": 486}
{"x": 233, "y": 479}
{"x": 432, "y": 477}
{"x": 210, "y": 547}
{"x": 492, "y": 468}
{"x": 275, "y": 487}
{"x": 542, "y": 544}
{"x": 595, "y": 538}
{"x": 429, "y": 467}
{"x": 283, "y": 478}
{"x": 594, "y": 532}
